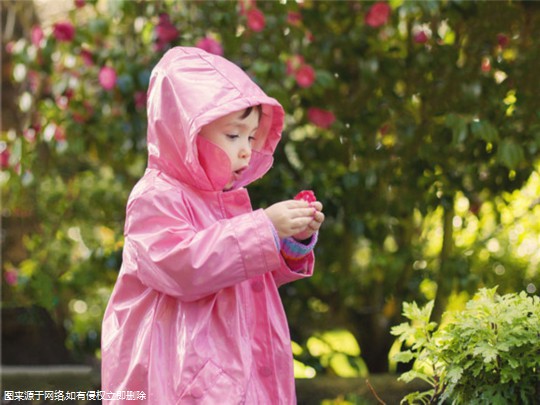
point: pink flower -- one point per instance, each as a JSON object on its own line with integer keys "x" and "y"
{"x": 305, "y": 76}
{"x": 294, "y": 18}
{"x": 30, "y": 134}
{"x": 321, "y": 118}
{"x": 80, "y": 3}
{"x": 306, "y": 195}
{"x": 166, "y": 32}
{"x": 87, "y": 57}
{"x": 36, "y": 35}
{"x": 210, "y": 45}
{"x": 11, "y": 277}
{"x": 255, "y": 20}
{"x": 107, "y": 78}
{"x": 64, "y": 31}
{"x": 60, "y": 134}
{"x": 140, "y": 99}
{"x": 420, "y": 37}
{"x": 4, "y": 158}
{"x": 378, "y": 14}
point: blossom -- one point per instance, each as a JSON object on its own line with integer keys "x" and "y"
{"x": 36, "y": 35}
{"x": 305, "y": 76}
{"x": 378, "y": 14}
{"x": 165, "y": 31}
{"x": 30, "y": 134}
{"x": 60, "y": 134}
{"x": 11, "y": 277}
{"x": 80, "y": 3}
{"x": 107, "y": 77}
{"x": 87, "y": 57}
{"x": 321, "y": 118}
{"x": 140, "y": 99}
{"x": 210, "y": 45}
{"x": 420, "y": 37}
{"x": 294, "y": 18}
{"x": 255, "y": 20}
{"x": 503, "y": 40}
{"x": 306, "y": 195}
{"x": 64, "y": 31}
{"x": 4, "y": 157}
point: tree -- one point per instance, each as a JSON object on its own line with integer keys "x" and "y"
{"x": 395, "y": 111}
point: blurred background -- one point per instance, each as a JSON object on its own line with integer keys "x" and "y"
{"x": 416, "y": 123}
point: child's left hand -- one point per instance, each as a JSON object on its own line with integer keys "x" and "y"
{"x": 314, "y": 225}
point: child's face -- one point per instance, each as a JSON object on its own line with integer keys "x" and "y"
{"x": 235, "y": 135}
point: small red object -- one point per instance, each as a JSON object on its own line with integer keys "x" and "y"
{"x": 306, "y": 195}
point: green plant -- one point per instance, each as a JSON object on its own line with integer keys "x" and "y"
{"x": 489, "y": 353}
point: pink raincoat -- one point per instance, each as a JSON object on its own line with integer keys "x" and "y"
{"x": 195, "y": 316}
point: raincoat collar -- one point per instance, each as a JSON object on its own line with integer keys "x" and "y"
{"x": 190, "y": 88}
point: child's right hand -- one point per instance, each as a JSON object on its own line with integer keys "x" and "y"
{"x": 290, "y": 217}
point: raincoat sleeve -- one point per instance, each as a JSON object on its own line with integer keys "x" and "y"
{"x": 178, "y": 260}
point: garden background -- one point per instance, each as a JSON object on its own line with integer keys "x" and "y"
{"x": 416, "y": 123}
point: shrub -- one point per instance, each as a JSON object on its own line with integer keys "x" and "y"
{"x": 489, "y": 353}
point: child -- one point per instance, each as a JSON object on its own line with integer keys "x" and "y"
{"x": 195, "y": 316}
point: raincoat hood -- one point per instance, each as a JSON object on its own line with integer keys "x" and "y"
{"x": 190, "y": 88}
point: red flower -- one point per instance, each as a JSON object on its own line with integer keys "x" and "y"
{"x": 36, "y": 35}
{"x": 378, "y": 14}
{"x": 166, "y": 32}
{"x": 87, "y": 57}
{"x": 305, "y": 76}
{"x": 4, "y": 157}
{"x": 80, "y": 3}
{"x": 306, "y": 195}
{"x": 503, "y": 40}
{"x": 420, "y": 37}
{"x": 60, "y": 134}
{"x": 107, "y": 78}
{"x": 255, "y": 20}
{"x": 294, "y": 18}
{"x": 64, "y": 31}
{"x": 210, "y": 45}
{"x": 321, "y": 118}
{"x": 140, "y": 99}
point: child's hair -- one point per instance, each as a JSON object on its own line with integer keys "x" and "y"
{"x": 248, "y": 111}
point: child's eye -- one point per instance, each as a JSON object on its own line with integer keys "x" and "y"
{"x": 252, "y": 139}
{"x": 231, "y": 136}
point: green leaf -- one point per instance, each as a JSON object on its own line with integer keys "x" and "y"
{"x": 510, "y": 154}
{"x": 484, "y": 130}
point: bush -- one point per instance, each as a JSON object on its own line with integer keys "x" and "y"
{"x": 485, "y": 354}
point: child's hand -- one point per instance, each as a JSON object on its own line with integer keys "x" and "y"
{"x": 314, "y": 225}
{"x": 292, "y": 217}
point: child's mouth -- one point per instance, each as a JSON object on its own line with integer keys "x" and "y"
{"x": 237, "y": 174}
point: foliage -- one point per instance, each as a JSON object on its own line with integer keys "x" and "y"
{"x": 396, "y": 113}
{"x": 335, "y": 352}
{"x": 486, "y": 354}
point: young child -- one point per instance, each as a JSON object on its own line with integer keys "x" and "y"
{"x": 195, "y": 316}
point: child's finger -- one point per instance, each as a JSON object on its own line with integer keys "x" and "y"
{"x": 317, "y": 205}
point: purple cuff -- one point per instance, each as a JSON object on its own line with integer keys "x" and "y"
{"x": 291, "y": 249}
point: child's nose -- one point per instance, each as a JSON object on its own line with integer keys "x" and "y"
{"x": 245, "y": 151}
